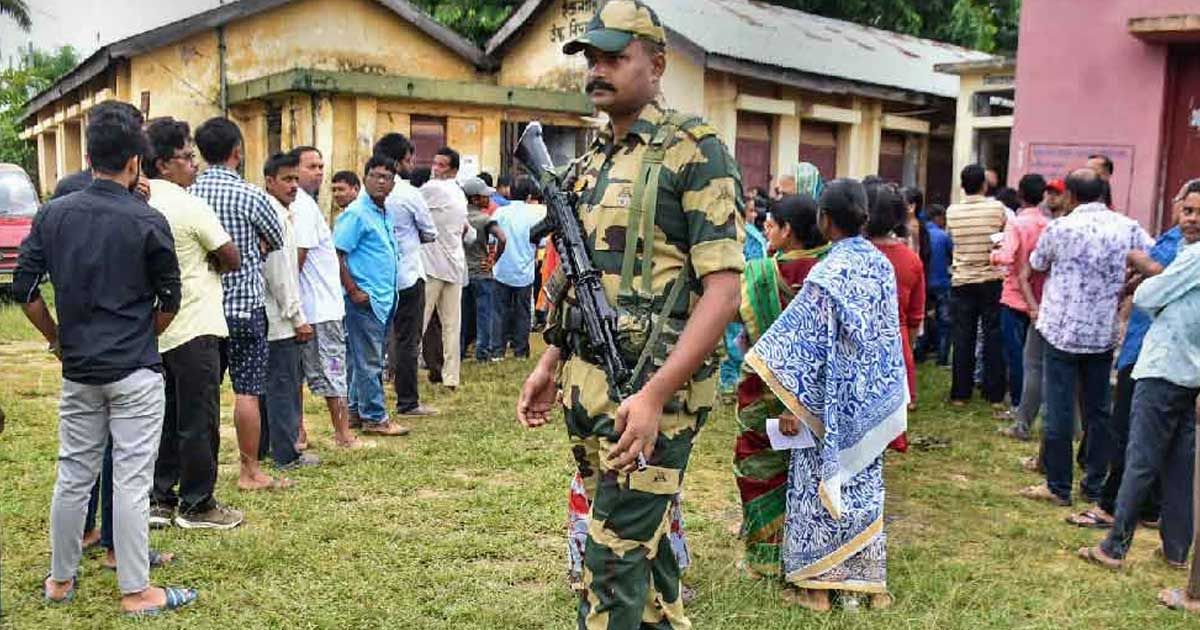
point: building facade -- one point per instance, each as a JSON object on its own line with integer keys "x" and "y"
{"x": 338, "y": 74}
{"x": 1118, "y": 78}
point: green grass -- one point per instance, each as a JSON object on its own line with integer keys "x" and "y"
{"x": 460, "y": 525}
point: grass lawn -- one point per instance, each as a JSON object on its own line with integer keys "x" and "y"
{"x": 460, "y": 525}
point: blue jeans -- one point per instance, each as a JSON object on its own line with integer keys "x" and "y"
{"x": 365, "y": 339}
{"x": 512, "y": 320}
{"x": 483, "y": 290}
{"x": 1063, "y": 371}
{"x": 1162, "y": 441}
{"x": 1013, "y": 327}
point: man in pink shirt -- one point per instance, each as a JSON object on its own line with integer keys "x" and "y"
{"x": 1016, "y": 310}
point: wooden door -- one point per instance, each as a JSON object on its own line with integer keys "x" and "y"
{"x": 428, "y": 135}
{"x": 753, "y": 150}
{"x": 891, "y": 157}
{"x": 818, "y": 146}
{"x": 1182, "y": 125}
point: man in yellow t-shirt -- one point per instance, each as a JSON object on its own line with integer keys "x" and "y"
{"x": 190, "y": 346}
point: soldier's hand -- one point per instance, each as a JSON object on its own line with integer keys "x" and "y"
{"x": 538, "y": 395}
{"x": 637, "y": 423}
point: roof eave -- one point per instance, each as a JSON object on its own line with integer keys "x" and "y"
{"x": 818, "y": 82}
{"x": 993, "y": 64}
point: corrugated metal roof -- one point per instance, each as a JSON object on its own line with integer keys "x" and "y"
{"x": 769, "y": 34}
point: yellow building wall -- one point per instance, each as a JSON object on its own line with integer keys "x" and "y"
{"x": 536, "y": 59}
{"x": 682, "y": 84}
{"x": 183, "y": 79}
{"x": 337, "y": 35}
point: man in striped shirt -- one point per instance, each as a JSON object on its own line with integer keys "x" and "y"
{"x": 975, "y": 288}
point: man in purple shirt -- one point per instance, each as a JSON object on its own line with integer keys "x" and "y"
{"x": 1084, "y": 253}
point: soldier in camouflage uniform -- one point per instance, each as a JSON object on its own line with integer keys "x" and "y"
{"x": 670, "y": 253}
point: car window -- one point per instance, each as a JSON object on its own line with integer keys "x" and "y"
{"x": 17, "y": 197}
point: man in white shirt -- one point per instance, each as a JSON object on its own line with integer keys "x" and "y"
{"x": 413, "y": 226}
{"x": 287, "y": 327}
{"x": 445, "y": 259}
{"x": 324, "y": 356}
{"x": 311, "y": 171}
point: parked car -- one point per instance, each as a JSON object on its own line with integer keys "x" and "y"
{"x": 18, "y": 204}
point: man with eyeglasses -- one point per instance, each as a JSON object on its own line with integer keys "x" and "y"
{"x": 191, "y": 345}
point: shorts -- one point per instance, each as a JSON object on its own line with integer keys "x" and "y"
{"x": 244, "y": 353}
{"x": 324, "y": 359}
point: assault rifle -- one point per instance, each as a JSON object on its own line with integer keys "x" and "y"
{"x": 599, "y": 319}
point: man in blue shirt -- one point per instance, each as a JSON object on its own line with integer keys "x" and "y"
{"x": 514, "y": 270}
{"x": 365, "y": 239}
{"x": 937, "y": 292}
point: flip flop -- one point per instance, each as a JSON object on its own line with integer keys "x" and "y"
{"x": 1089, "y": 519}
{"x": 1177, "y": 599}
{"x": 66, "y": 599}
{"x": 1089, "y": 554}
{"x": 176, "y": 598}
{"x": 157, "y": 560}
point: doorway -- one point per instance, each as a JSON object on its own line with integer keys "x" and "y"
{"x": 1182, "y": 127}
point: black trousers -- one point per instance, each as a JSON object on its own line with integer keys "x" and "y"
{"x": 971, "y": 304}
{"x": 187, "y": 453}
{"x": 1122, "y": 407}
{"x": 406, "y": 339}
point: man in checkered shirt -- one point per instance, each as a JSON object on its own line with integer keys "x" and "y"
{"x": 246, "y": 214}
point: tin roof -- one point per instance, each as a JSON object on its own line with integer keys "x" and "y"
{"x": 774, "y": 36}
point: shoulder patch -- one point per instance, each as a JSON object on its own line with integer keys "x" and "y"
{"x": 700, "y": 131}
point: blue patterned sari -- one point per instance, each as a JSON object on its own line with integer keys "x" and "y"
{"x": 834, "y": 358}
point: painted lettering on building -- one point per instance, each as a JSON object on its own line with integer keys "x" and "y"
{"x": 573, "y": 18}
{"x": 1054, "y": 160}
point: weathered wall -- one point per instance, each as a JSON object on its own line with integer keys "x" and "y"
{"x": 345, "y": 35}
{"x": 183, "y": 79}
{"x": 536, "y": 59}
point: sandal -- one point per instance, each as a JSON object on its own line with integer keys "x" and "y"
{"x": 176, "y": 598}
{"x": 1041, "y": 492}
{"x": 1089, "y": 519}
{"x": 1095, "y": 556}
{"x": 66, "y": 599}
{"x": 157, "y": 560}
{"x": 1177, "y": 599}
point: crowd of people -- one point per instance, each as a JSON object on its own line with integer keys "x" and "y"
{"x": 254, "y": 283}
{"x": 826, "y": 295}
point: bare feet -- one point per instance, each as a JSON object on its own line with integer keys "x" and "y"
{"x": 1177, "y": 599}
{"x": 91, "y": 538}
{"x": 59, "y": 592}
{"x": 816, "y": 600}
{"x": 353, "y": 443}
{"x": 881, "y": 601}
{"x": 263, "y": 481}
{"x": 157, "y": 559}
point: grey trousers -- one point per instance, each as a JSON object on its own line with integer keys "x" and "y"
{"x": 1031, "y": 387}
{"x": 131, "y": 412}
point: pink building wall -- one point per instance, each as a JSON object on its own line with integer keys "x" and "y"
{"x": 1083, "y": 83}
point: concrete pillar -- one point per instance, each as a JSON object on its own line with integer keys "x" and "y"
{"x": 965, "y": 136}
{"x": 720, "y": 108}
{"x": 489, "y": 156}
{"x": 71, "y": 151}
{"x": 365, "y": 113}
{"x": 785, "y": 144}
{"x": 323, "y": 140}
{"x": 83, "y": 122}
{"x": 47, "y": 162}
{"x": 61, "y": 151}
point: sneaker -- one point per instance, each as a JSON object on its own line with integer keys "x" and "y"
{"x": 306, "y": 460}
{"x": 419, "y": 410}
{"x": 217, "y": 517}
{"x": 355, "y": 420}
{"x": 161, "y": 516}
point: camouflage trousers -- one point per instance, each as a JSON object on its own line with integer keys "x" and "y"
{"x": 630, "y": 572}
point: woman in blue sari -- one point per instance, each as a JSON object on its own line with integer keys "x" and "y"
{"x": 834, "y": 358}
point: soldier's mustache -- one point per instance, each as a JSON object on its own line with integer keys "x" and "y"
{"x": 599, "y": 84}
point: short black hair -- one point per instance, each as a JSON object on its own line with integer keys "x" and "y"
{"x": 523, "y": 188}
{"x": 165, "y": 136}
{"x": 1105, "y": 160}
{"x": 799, "y": 212}
{"x": 1008, "y": 197}
{"x": 1085, "y": 185}
{"x": 271, "y": 167}
{"x": 347, "y": 177}
{"x": 486, "y": 177}
{"x": 913, "y": 196}
{"x": 114, "y": 135}
{"x": 305, "y": 148}
{"x": 419, "y": 176}
{"x": 393, "y": 145}
{"x": 1031, "y": 189}
{"x": 845, "y": 202}
{"x": 450, "y": 153}
{"x": 378, "y": 160}
{"x": 885, "y": 212}
{"x": 217, "y": 138}
{"x": 504, "y": 180}
{"x": 973, "y": 179}
{"x": 1193, "y": 187}
{"x": 935, "y": 210}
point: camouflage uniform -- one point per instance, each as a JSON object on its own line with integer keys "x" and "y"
{"x": 629, "y": 568}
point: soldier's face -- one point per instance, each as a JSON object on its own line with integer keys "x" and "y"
{"x": 622, "y": 82}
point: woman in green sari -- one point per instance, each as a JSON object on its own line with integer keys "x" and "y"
{"x": 768, "y": 284}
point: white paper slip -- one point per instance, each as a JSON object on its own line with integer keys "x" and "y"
{"x": 781, "y": 442}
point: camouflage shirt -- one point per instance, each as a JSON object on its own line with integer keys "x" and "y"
{"x": 698, "y": 217}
